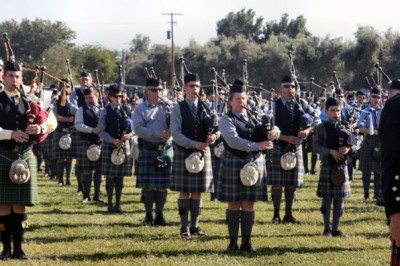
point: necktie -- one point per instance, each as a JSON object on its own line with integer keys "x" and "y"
{"x": 243, "y": 116}
{"x": 14, "y": 99}
{"x": 194, "y": 111}
{"x": 289, "y": 106}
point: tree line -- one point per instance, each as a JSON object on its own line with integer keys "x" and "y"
{"x": 240, "y": 35}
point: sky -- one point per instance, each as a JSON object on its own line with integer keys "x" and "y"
{"x": 115, "y": 23}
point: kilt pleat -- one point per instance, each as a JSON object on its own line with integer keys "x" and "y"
{"x": 277, "y": 176}
{"x": 10, "y": 193}
{"x": 47, "y": 146}
{"x": 229, "y": 188}
{"x": 84, "y": 162}
{"x": 183, "y": 181}
{"x": 325, "y": 187}
{"x": 367, "y": 164}
{"x": 110, "y": 169}
{"x": 147, "y": 175}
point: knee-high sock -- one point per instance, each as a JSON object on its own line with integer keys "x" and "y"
{"x": 326, "y": 212}
{"x": 6, "y": 222}
{"x": 366, "y": 179}
{"x": 18, "y": 230}
{"x": 232, "y": 218}
{"x": 183, "y": 205}
{"x": 110, "y": 184}
{"x": 337, "y": 212}
{"x": 86, "y": 183}
{"x": 276, "y": 195}
{"x": 313, "y": 161}
{"x": 97, "y": 183}
{"x": 289, "y": 199}
{"x": 246, "y": 223}
{"x": 119, "y": 184}
{"x": 78, "y": 174}
{"x": 148, "y": 197}
{"x": 195, "y": 210}
{"x": 160, "y": 199}
{"x": 60, "y": 171}
{"x": 68, "y": 169}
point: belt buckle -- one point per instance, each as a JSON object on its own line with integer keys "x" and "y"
{"x": 160, "y": 147}
{"x": 65, "y": 130}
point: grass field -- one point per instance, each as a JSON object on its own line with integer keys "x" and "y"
{"x": 65, "y": 231}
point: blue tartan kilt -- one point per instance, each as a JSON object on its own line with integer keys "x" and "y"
{"x": 10, "y": 193}
{"x": 229, "y": 188}
{"x": 215, "y": 161}
{"x": 367, "y": 163}
{"x": 110, "y": 169}
{"x": 47, "y": 147}
{"x": 84, "y": 162}
{"x": 57, "y": 152}
{"x": 326, "y": 189}
{"x": 150, "y": 177}
{"x": 277, "y": 176}
{"x": 183, "y": 181}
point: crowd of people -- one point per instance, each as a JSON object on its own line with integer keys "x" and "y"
{"x": 222, "y": 141}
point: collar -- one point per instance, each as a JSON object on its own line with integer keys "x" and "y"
{"x": 9, "y": 94}
{"x": 195, "y": 102}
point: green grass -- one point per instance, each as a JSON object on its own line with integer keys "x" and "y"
{"x": 64, "y": 231}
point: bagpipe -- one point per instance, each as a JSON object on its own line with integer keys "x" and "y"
{"x": 36, "y": 115}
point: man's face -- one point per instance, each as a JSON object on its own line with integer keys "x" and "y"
{"x": 85, "y": 81}
{"x": 13, "y": 79}
{"x": 91, "y": 99}
{"x": 288, "y": 89}
{"x": 334, "y": 112}
{"x": 340, "y": 97}
{"x": 375, "y": 98}
{"x": 192, "y": 88}
{"x": 1, "y": 73}
{"x": 153, "y": 94}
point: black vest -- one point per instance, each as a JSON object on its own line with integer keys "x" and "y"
{"x": 90, "y": 119}
{"x": 332, "y": 139}
{"x": 81, "y": 97}
{"x": 289, "y": 125}
{"x": 13, "y": 118}
{"x": 114, "y": 122}
{"x": 195, "y": 129}
{"x": 246, "y": 130}
{"x": 64, "y": 111}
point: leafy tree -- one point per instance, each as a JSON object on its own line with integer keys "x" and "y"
{"x": 291, "y": 28}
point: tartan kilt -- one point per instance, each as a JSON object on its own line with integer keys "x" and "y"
{"x": 110, "y": 169}
{"x": 147, "y": 175}
{"x": 57, "y": 152}
{"x": 367, "y": 164}
{"x": 277, "y": 176}
{"x": 84, "y": 162}
{"x": 229, "y": 188}
{"x": 47, "y": 147}
{"x": 10, "y": 193}
{"x": 326, "y": 189}
{"x": 215, "y": 161}
{"x": 183, "y": 181}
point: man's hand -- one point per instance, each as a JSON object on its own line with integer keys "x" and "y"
{"x": 118, "y": 143}
{"x": 201, "y": 146}
{"x": 265, "y": 145}
{"x": 344, "y": 150}
{"x": 336, "y": 155}
{"x": 33, "y": 129}
{"x": 19, "y": 136}
{"x": 165, "y": 134}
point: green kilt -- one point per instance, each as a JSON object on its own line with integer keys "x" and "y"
{"x": 84, "y": 162}
{"x": 326, "y": 189}
{"x": 229, "y": 188}
{"x": 367, "y": 163}
{"x": 277, "y": 176}
{"x": 57, "y": 152}
{"x": 147, "y": 175}
{"x": 110, "y": 169}
{"x": 183, "y": 181}
{"x": 10, "y": 193}
{"x": 47, "y": 146}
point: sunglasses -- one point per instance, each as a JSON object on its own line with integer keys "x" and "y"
{"x": 155, "y": 90}
{"x": 287, "y": 86}
{"x": 375, "y": 96}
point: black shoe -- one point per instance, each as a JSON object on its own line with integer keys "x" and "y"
{"x": 197, "y": 231}
{"x": 118, "y": 209}
{"x": 148, "y": 219}
{"x": 68, "y": 183}
{"x": 338, "y": 233}
{"x": 185, "y": 233}
{"x": 232, "y": 245}
{"x": 98, "y": 200}
{"x": 111, "y": 210}
{"x": 5, "y": 254}
{"x": 313, "y": 172}
{"x": 276, "y": 220}
{"x": 160, "y": 220}
{"x": 19, "y": 255}
{"x": 326, "y": 232}
{"x": 246, "y": 245}
{"x": 289, "y": 219}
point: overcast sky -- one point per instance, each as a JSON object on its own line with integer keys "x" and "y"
{"x": 114, "y": 23}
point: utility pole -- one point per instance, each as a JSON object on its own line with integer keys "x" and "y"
{"x": 171, "y": 35}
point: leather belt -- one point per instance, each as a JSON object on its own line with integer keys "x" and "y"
{"x": 156, "y": 146}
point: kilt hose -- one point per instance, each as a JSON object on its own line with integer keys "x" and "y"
{"x": 183, "y": 181}
{"x": 367, "y": 163}
{"x": 326, "y": 189}
{"x": 150, "y": 177}
{"x": 110, "y": 169}
{"x": 229, "y": 188}
{"x": 84, "y": 162}
{"x": 10, "y": 193}
{"x": 57, "y": 152}
{"x": 277, "y": 176}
